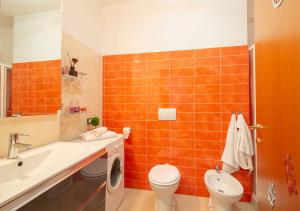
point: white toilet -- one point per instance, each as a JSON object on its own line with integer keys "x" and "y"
{"x": 164, "y": 180}
{"x": 224, "y": 189}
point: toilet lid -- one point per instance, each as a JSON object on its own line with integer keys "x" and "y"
{"x": 164, "y": 174}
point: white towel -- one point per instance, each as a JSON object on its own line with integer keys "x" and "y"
{"x": 244, "y": 147}
{"x": 93, "y": 134}
{"x": 228, "y": 157}
{"x": 101, "y": 130}
{"x": 106, "y": 135}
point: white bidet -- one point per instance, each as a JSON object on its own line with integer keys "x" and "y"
{"x": 224, "y": 189}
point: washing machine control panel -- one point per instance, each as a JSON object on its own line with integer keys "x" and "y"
{"x": 115, "y": 147}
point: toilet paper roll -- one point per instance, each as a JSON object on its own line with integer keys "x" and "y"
{"x": 126, "y": 132}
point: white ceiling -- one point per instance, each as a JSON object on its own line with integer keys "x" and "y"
{"x": 113, "y": 1}
{"x": 28, "y": 7}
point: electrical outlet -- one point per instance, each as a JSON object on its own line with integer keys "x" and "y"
{"x": 89, "y": 121}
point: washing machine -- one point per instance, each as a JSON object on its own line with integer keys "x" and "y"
{"x": 115, "y": 175}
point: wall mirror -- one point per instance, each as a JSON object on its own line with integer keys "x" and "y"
{"x": 30, "y": 57}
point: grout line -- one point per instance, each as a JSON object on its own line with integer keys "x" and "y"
{"x": 124, "y": 104}
{"x": 174, "y": 59}
{"x": 147, "y": 71}
{"x": 27, "y": 89}
{"x": 44, "y": 69}
{"x": 221, "y": 110}
{"x": 169, "y": 123}
{"x": 195, "y": 154}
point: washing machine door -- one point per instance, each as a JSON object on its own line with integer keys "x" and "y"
{"x": 114, "y": 173}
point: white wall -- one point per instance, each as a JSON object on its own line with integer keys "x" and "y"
{"x": 250, "y": 21}
{"x": 88, "y": 91}
{"x": 131, "y": 26}
{"x": 81, "y": 20}
{"x": 37, "y": 37}
{"x": 6, "y": 44}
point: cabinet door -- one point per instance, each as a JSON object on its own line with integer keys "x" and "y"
{"x": 277, "y": 42}
{"x": 79, "y": 192}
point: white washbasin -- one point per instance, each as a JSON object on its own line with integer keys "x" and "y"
{"x": 38, "y": 162}
{"x": 42, "y": 163}
{"x": 224, "y": 189}
{"x": 24, "y": 166}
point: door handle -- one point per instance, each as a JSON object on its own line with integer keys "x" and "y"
{"x": 257, "y": 127}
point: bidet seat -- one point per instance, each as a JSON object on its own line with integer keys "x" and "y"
{"x": 224, "y": 189}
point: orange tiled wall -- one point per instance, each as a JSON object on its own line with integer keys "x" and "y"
{"x": 35, "y": 87}
{"x": 205, "y": 86}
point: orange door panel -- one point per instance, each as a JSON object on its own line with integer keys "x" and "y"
{"x": 277, "y": 41}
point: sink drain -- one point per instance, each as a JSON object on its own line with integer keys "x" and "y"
{"x": 221, "y": 191}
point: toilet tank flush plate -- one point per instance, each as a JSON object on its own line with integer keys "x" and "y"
{"x": 167, "y": 114}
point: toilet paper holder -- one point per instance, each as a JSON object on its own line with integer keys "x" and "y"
{"x": 126, "y": 132}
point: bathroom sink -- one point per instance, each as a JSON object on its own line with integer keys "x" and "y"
{"x": 24, "y": 166}
{"x": 30, "y": 173}
{"x": 38, "y": 162}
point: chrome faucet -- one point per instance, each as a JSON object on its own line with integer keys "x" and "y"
{"x": 14, "y": 145}
{"x": 217, "y": 168}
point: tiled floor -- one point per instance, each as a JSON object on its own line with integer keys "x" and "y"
{"x": 143, "y": 200}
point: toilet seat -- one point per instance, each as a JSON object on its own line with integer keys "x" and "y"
{"x": 164, "y": 175}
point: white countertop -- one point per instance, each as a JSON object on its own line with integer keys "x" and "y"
{"x": 53, "y": 159}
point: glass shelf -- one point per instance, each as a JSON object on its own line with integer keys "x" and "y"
{"x": 71, "y": 78}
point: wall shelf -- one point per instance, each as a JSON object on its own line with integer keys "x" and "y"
{"x": 71, "y": 78}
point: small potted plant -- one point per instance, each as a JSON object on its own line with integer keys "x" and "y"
{"x": 95, "y": 122}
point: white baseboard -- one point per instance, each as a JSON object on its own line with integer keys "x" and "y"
{"x": 254, "y": 201}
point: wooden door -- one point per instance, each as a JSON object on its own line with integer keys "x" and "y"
{"x": 277, "y": 41}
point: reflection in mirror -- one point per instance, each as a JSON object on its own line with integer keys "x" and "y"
{"x": 30, "y": 57}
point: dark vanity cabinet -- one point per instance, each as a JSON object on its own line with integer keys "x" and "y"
{"x": 79, "y": 191}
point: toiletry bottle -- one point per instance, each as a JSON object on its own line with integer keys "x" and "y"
{"x": 73, "y": 72}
